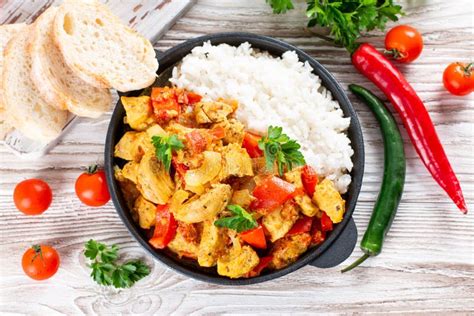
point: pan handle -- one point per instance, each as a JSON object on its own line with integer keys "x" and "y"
{"x": 340, "y": 250}
{"x": 158, "y": 53}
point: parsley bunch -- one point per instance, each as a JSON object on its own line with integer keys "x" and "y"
{"x": 241, "y": 221}
{"x": 105, "y": 271}
{"x": 279, "y": 147}
{"x": 164, "y": 147}
{"x": 346, "y": 19}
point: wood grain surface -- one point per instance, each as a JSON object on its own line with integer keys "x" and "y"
{"x": 427, "y": 264}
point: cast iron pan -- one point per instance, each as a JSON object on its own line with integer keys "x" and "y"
{"x": 338, "y": 244}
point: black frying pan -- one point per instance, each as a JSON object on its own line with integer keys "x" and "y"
{"x": 338, "y": 244}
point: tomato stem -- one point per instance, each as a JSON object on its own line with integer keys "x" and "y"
{"x": 395, "y": 53}
{"x": 467, "y": 69}
{"x": 38, "y": 252}
{"x": 92, "y": 169}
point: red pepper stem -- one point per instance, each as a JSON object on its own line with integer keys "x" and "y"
{"x": 356, "y": 263}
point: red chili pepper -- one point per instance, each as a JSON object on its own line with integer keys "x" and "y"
{"x": 372, "y": 64}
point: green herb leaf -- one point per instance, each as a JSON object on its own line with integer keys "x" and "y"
{"x": 241, "y": 221}
{"x": 347, "y": 20}
{"x": 279, "y": 147}
{"x": 105, "y": 271}
{"x": 164, "y": 147}
{"x": 280, "y": 6}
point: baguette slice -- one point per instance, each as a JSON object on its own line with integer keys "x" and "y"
{"x": 100, "y": 49}
{"x": 28, "y": 112}
{"x": 55, "y": 81}
{"x": 7, "y": 31}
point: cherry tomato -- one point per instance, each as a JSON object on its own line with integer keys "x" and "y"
{"x": 255, "y": 237}
{"x": 404, "y": 43}
{"x": 165, "y": 227}
{"x": 91, "y": 187}
{"x": 458, "y": 78}
{"x": 271, "y": 193}
{"x": 303, "y": 225}
{"x": 40, "y": 262}
{"x": 32, "y": 196}
{"x": 309, "y": 179}
{"x": 250, "y": 144}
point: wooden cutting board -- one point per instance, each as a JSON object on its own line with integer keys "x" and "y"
{"x": 150, "y": 18}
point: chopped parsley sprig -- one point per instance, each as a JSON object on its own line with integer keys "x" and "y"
{"x": 240, "y": 222}
{"x": 278, "y": 147}
{"x": 164, "y": 147}
{"x": 105, "y": 271}
{"x": 346, "y": 20}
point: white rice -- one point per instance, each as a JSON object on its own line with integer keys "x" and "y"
{"x": 274, "y": 91}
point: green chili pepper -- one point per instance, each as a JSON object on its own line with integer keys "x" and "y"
{"x": 393, "y": 177}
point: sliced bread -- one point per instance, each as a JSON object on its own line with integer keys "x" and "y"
{"x": 100, "y": 49}
{"x": 6, "y": 33}
{"x": 55, "y": 81}
{"x": 26, "y": 110}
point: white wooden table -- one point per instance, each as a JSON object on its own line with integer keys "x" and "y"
{"x": 427, "y": 264}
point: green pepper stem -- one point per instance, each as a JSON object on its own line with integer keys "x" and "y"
{"x": 356, "y": 263}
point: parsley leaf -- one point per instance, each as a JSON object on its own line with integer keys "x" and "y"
{"x": 280, "y": 6}
{"x": 241, "y": 221}
{"x": 347, "y": 20}
{"x": 105, "y": 271}
{"x": 279, "y": 147}
{"x": 164, "y": 147}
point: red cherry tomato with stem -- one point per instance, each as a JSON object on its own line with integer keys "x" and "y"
{"x": 403, "y": 43}
{"x": 91, "y": 187}
{"x": 458, "y": 78}
{"x": 40, "y": 262}
{"x": 32, "y": 196}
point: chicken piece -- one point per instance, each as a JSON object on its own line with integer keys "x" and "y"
{"x": 212, "y": 244}
{"x": 128, "y": 188}
{"x": 329, "y": 200}
{"x": 139, "y": 112}
{"x": 128, "y": 147}
{"x": 280, "y": 221}
{"x": 209, "y": 169}
{"x": 130, "y": 171}
{"x": 236, "y": 162}
{"x": 146, "y": 212}
{"x": 234, "y": 131}
{"x": 303, "y": 201}
{"x": 286, "y": 250}
{"x": 153, "y": 181}
{"x": 237, "y": 262}
{"x": 242, "y": 198}
{"x": 212, "y": 112}
{"x": 182, "y": 246}
{"x": 189, "y": 231}
{"x": 156, "y": 130}
{"x": 200, "y": 208}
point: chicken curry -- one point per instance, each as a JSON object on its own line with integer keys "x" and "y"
{"x": 209, "y": 190}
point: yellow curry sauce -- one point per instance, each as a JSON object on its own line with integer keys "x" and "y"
{"x": 197, "y": 179}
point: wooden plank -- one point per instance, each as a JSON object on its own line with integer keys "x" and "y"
{"x": 427, "y": 265}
